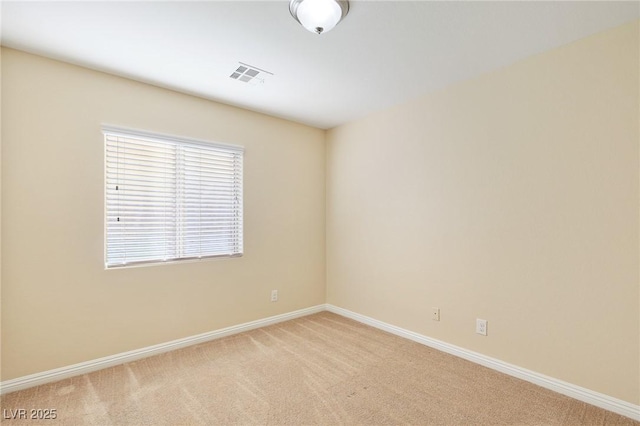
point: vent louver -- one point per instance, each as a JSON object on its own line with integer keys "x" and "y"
{"x": 250, "y": 74}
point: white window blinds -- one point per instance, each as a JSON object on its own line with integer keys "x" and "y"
{"x": 169, "y": 199}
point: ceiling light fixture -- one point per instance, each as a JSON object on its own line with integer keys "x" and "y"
{"x": 319, "y": 16}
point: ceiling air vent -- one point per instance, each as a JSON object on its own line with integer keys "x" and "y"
{"x": 250, "y": 74}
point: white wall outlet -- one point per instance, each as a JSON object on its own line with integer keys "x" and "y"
{"x": 435, "y": 314}
{"x": 274, "y": 295}
{"x": 481, "y": 326}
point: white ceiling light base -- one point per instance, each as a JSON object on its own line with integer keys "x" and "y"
{"x": 319, "y": 16}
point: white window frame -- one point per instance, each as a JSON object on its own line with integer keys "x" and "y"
{"x": 202, "y": 202}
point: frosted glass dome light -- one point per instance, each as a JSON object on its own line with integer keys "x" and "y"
{"x": 318, "y": 16}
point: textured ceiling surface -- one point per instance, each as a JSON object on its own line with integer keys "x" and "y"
{"x": 382, "y": 54}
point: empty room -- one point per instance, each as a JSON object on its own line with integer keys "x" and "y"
{"x": 320, "y": 212}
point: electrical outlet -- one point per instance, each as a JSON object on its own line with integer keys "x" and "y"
{"x": 274, "y": 295}
{"x": 481, "y": 326}
{"x": 435, "y": 314}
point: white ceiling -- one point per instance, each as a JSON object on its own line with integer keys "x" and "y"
{"x": 383, "y": 53}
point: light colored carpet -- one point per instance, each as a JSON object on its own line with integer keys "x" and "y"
{"x": 320, "y": 369}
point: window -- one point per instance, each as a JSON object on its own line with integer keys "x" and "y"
{"x": 169, "y": 199}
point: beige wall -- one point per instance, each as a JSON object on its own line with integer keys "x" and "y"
{"x": 512, "y": 197}
{"x": 59, "y": 305}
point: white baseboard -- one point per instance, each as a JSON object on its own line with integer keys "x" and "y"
{"x": 112, "y": 360}
{"x": 582, "y": 394}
